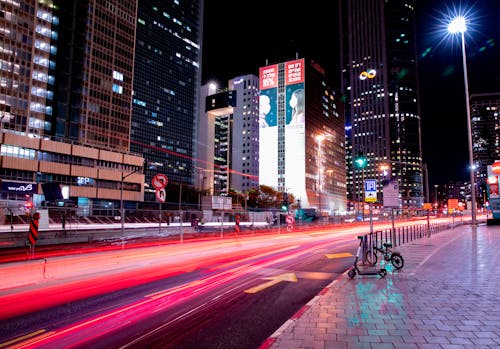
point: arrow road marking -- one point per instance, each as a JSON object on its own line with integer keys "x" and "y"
{"x": 273, "y": 281}
{"x": 338, "y": 255}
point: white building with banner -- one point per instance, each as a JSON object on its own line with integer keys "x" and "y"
{"x": 301, "y": 135}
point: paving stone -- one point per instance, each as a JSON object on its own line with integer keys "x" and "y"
{"x": 445, "y": 297}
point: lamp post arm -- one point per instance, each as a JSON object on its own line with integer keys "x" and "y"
{"x": 122, "y": 213}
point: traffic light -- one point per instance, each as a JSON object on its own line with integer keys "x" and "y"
{"x": 284, "y": 203}
{"x": 28, "y": 204}
{"x": 360, "y": 161}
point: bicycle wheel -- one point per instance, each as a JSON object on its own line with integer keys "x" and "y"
{"x": 371, "y": 258}
{"x": 397, "y": 260}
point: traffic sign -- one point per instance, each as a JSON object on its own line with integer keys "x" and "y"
{"x": 160, "y": 195}
{"x": 160, "y": 181}
{"x": 370, "y": 190}
{"x": 495, "y": 168}
{"x": 390, "y": 193}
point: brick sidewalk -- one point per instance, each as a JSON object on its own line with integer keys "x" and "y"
{"x": 445, "y": 297}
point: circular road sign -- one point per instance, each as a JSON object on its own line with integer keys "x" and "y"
{"x": 160, "y": 181}
{"x": 160, "y": 195}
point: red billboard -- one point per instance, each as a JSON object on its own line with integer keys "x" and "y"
{"x": 294, "y": 72}
{"x": 268, "y": 77}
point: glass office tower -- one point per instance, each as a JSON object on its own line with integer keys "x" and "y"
{"x": 167, "y": 76}
{"x": 379, "y": 82}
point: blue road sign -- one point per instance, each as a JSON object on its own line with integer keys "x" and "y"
{"x": 370, "y": 190}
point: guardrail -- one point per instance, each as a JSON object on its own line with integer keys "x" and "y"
{"x": 401, "y": 235}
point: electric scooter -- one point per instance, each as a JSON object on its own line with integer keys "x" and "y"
{"x": 355, "y": 270}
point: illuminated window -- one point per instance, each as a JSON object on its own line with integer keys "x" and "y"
{"x": 117, "y": 88}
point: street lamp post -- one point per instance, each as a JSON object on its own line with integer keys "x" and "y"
{"x": 458, "y": 25}
{"x": 319, "y": 139}
{"x": 436, "y": 196}
{"x": 361, "y": 163}
{"x": 122, "y": 213}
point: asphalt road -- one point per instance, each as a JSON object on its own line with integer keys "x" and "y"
{"x": 230, "y": 294}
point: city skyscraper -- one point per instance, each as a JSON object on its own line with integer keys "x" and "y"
{"x": 214, "y": 139}
{"x": 380, "y": 86}
{"x": 485, "y": 116}
{"x": 94, "y": 72}
{"x": 66, "y": 83}
{"x": 27, "y": 85}
{"x": 302, "y": 139}
{"x": 244, "y": 173}
{"x": 228, "y": 136}
{"x": 167, "y": 75}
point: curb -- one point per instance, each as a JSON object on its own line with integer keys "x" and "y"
{"x": 335, "y": 284}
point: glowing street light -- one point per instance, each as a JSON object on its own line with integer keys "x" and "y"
{"x": 458, "y": 25}
{"x": 385, "y": 169}
{"x": 361, "y": 162}
{"x": 319, "y": 139}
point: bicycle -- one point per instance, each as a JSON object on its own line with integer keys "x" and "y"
{"x": 395, "y": 258}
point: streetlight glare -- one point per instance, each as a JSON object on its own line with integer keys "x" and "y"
{"x": 457, "y": 25}
{"x": 455, "y": 19}
{"x": 320, "y": 138}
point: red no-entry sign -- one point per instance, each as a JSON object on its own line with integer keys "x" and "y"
{"x": 160, "y": 181}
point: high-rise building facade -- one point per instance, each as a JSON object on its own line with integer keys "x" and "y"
{"x": 167, "y": 75}
{"x": 228, "y": 136}
{"x": 301, "y": 138}
{"x": 27, "y": 85}
{"x": 214, "y": 140}
{"x": 65, "y": 101}
{"x": 380, "y": 87}
{"x": 244, "y": 174}
{"x": 94, "y": 72}
{"x": 485, "y": 124}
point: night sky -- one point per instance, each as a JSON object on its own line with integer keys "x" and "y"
{"x": 240, "y": 36}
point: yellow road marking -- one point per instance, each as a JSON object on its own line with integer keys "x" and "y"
{"x": 338, "y": 255}
{"x": 19, "y": 339}
{"x": 273, "y": 281}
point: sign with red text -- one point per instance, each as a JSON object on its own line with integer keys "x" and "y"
{"x": 294, "y": 72}
{"x": 268, "y": 77}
